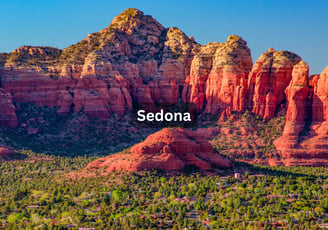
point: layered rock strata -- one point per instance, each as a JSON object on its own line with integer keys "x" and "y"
{"x": 311, "y": 146}
{"x": 136, "y": 59}
{"x": 168, "y": 149}
{"x": 268, "y": 80}
{"x": 297, "y": 94}
{"x": 218, "y": 77}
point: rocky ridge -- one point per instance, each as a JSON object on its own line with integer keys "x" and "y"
{"x": 136, "y": 59}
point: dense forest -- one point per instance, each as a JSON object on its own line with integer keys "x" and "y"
{"x": 40, "y": 192}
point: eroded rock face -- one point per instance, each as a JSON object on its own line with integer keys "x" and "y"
{"x": 268, "y": 80}
{"x": 218, "y": 77}
{"x": 168, "y": 149}
{"x": 311, "y": 149}
{"x": 134, "y": 59}
{"x": 297, "y": 94}
{"x": 231, "y": 66}
{"x": 27, "y": 56}
{"x": 7, "y": 110}
{"x": 97, "y": 97}
{"x": 319, "y": 126}
{"x": 194, "y": 88}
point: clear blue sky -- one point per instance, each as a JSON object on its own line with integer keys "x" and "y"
{"x": 298, "y": 26}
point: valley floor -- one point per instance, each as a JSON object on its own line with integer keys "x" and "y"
{"x": 36, "y": 193}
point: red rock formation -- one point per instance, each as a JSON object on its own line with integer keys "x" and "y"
{"x": 5, "y": 151}
{"x": 268, "y": 80}
{"x": 313, "y": 80}
{"x": 27, "y": 56}
{"x": 226, "y": 86}
{"x": 134, "y": 58}
{"x": 312, "y": 149}
{"x": 35, "y": 50}
{"x": 194, "y": 88}
{"x": 98, "y": 97}
{"x": 317, "y": 142}
{"x": 218, "y": 77}
{"x": 297, "y": 111}
{"x": 168, "y": 149}
{"x": 7, "y": 110}
{"x": 152, "y": 63}
{"x": 175, "y": 66}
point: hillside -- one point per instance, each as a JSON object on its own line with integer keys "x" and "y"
{"x": 134, "y": 60}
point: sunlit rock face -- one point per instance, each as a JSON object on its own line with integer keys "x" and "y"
{"x": 168, "y": 149}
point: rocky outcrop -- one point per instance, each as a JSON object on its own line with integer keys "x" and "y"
{"x": 268, "y": 80}
{"x": 231, "y": 66}
{"x": 297, "y": 94}
{"x": 152, "y": 63}
{"x": 218, "y": 77}
{"x": 97, "y": 97}
{"x": 6, "y": 151}
{"x": 194, "y": 87}
{"x": 313, "y": 80}
{"x": 168, "y": 149}
{"x": 318, "y": 134}
{"x": 27, "y": 56}
{"x": 312, "y": 148}
{"x": 135, "y": 58}
{"x": 7, "y": 110}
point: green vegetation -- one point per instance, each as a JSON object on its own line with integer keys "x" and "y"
{"x": 49, "y": 191}
{"x": 248, "y": 133}
{"x": 76, "y": 54}
{"x": 3, "y": 59}
{"x": 38, "y": 193}
{"x": 123, "y": 17}
{"x": 73, "y": 134}
{"x": 32, "y": 56}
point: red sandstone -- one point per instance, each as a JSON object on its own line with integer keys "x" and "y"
{"x": 168, "y": 149}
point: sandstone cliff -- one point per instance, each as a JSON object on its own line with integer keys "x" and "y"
{"x": 297, "y": 94}
{"x": 268, "y": 80}
{"x": 136, "y": 59}
{"x": 318, "y": 134}
{"x": 152, "y": 63}
{"x": 311, "y": 148}
{"x": 218, "y": 77}
{"x": 7, "y": 110}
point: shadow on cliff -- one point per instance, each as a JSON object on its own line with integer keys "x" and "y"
{"x": 293, "y": 172}
{"x": 42, "y": 130}
{"x": 315, "y": 114}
